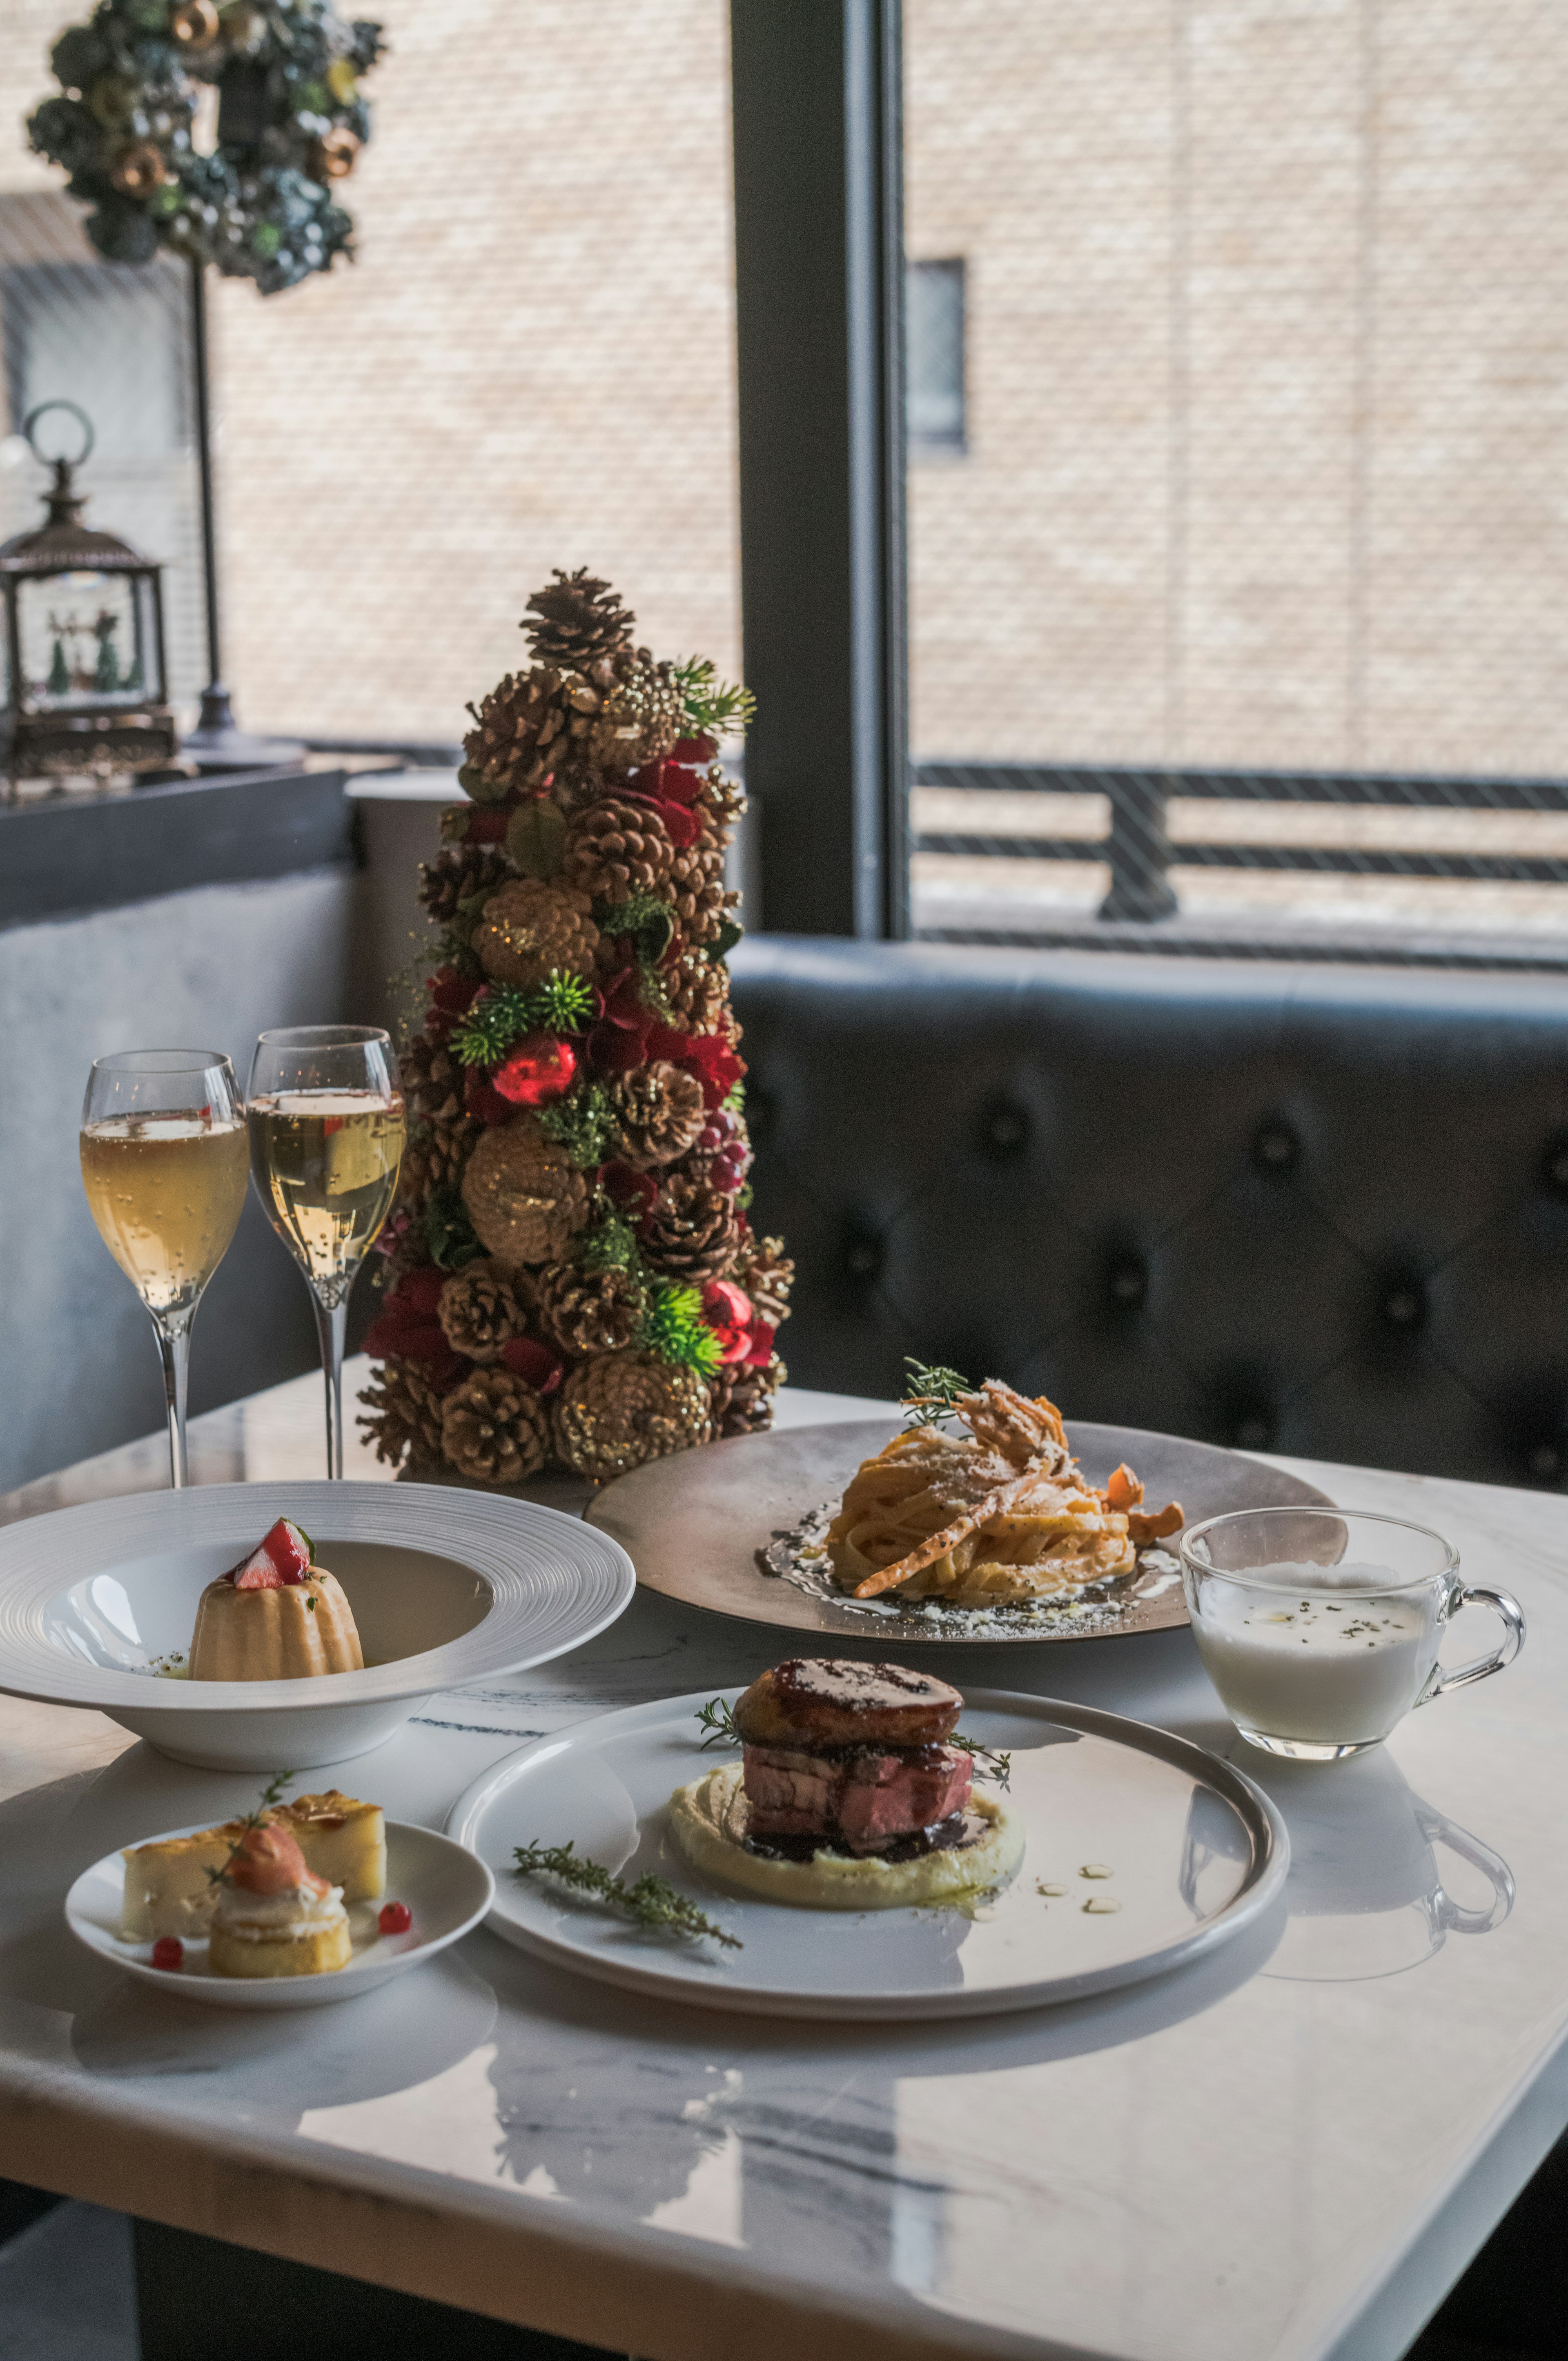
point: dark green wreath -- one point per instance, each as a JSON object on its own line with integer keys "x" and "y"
{"x": 290, "y": 122}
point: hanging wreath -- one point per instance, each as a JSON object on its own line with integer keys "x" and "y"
{"x": 290, "y": 122}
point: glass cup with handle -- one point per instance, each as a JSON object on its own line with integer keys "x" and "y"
{"x": 326, "y": 1140}
{"x": 164, "y": 1159}
{"x": 1321, "y": 1628}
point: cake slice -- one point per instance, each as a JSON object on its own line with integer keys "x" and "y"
{"x": 342, "y": 1840}
{"x": 275, "y": 1916}
{"x": 169, "y": 1892}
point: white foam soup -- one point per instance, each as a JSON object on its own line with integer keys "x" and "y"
{"x": 1294, "y": 1661}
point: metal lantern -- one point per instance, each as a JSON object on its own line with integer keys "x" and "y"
{"x": 87, "y": 688}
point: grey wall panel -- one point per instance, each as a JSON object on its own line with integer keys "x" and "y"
{"x": 208, "y": 967}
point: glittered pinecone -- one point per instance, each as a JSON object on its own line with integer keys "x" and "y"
{"x": 693, "y": 989}
{"x": 436, "y": 1156}
{"x": 659, "y": 1112}
{"x": 698, "y": 892}
{"x": 767, "y": 1274}
{"x": 457, "y": 875}
{"x": 480, "y": 1310}
{"x": 620, "y": 1410}
{"x": 580, "y": 620}
{"x": 740, "y": 1400}
{"x": 526, "y": 1199}
{"x": 641, "y": 716}
{"x": 721, "y": 801}
{"x": 532, "y": 725}
{"x": 405, "y": 1412}
{"x": 616, "y": 849}
{"x": 690, "y": 1234}
{"x": 431, "y": 1080}
{"x": 528, "y": 930}
{"x": 494, "y": 1429}
{"x": 588, "y": 1310}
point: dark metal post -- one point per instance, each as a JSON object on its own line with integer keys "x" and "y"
{"x": 1138, "y": 849}
{"x": 819, "y": 266}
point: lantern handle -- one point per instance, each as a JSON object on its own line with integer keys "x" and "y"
{"x": 76, "y": 411}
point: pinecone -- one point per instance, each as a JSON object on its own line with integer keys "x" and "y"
{"x": 588, "y": 1310}
{"x": 532, "y": 725}
{"x": 660, "y": 1112}
{"x": 767, "y": 1274}
{"x": 694, "y": 987}
{"x": 721, "y": 801}
{"x": 641, "y": 716}
{"x": 405, "y": 1412}
{"x": 480, "y": 1310}
{"x": 581, "y": 619}
{"x": 494, "y": 1429}
{"x": 616, "y": 849}
{"x": 431, "y": 1080}
{"x": 620, "y": 1410}
{"x": 696, "y": 889}
{"x": 528, "y": 930}
{"x": 459, "y": 874}
{"x": 436, "y": 1156}
{"x": 740, "y": 1400}
{"x": 690, "y": 1234}
{"x": 526, "y": 1199}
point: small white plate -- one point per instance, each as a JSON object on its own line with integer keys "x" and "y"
{"x": 1195, "y": 1850}
{"x": 445, "y": 1887}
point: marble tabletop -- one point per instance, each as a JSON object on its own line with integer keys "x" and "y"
{"x": 1290, "y": 2149}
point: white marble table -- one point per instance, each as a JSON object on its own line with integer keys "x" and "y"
{"x": 1291, "y": 2150}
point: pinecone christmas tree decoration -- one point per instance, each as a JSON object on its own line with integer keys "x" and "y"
{"x": 588, "y": 1312}
{"x": 460, "y": 874}
{"x": 740, "y": 1400}
{"x": 576, "y": 1160}
{"x": 618, "y": 1411}
{"x": 616, "y": 849}
{"x": 580, "y": 621}
{"x": 405, "y": 1413}
{"x": 691, "y": 1232}
{"x": 530, "y": 930}
{"x": 481, "y": 1313}
{"x": 494, "y": 1429}
{"x": 526, "y": 1197}
{"x": 767, "y": 1274}
{"x": 659, "y": 1113}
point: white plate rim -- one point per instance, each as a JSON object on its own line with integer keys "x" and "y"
{"x": 294, "y": 1992}
{"x": 41, "y": 1556}
{"x": 1258, "y": 1814}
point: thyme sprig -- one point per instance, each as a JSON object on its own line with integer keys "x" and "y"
{"x": 652, "y": 1902}
{"x": 934, "y": 1393}
{"x": 988, "y": 1762}
{"x": 717, "y": 1718}
{"x": 270, "y": 1794}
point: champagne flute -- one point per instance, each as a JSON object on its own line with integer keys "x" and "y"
{"x": 326, "y": 1139}
{"x": 164, "y": 1162}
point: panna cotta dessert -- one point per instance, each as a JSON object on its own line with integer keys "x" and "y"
{"x": 171, "y": 1886}
{"x": 274, "y": 1917}
{"x": 847, "y": 1795}
{"x": 277, "y": 1616}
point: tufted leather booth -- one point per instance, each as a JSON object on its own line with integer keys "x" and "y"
{"x": 1317, "y": 1210}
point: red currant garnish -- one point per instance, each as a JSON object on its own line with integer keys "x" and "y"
{"x": 169, "y": 1951}
{"x": 396, "y": 1919}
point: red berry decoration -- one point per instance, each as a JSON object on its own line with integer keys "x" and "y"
{"x": 539, "y": 1070}
{"x": 396, "y": 1919}
{"x": 169, "y": 1951}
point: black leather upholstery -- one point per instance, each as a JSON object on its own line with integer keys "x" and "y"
{"x": 1319, "y": 1210}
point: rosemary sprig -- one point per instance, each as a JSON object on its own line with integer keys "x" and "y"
{"x": 652, "y": 1902}
{"x": 988, "y": 1764}
{"x": 933, "y": 1393}
{"x": 718, "y": 1718}
{"x": 272, "y": 1794}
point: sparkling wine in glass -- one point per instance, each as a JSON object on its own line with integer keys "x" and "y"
{"x": 164, "y": 1159}
{"x": 326, "y": 1139}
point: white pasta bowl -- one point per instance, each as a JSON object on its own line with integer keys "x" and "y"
{"x": 447, "y": 1586}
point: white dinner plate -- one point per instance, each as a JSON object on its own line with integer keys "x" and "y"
{"x": 447, "y": 1586}
{"x": 1195, "y": 1850}
{"x": 445, "y": 1887}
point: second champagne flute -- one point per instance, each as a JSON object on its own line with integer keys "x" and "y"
{"x": 326, "y": 1140}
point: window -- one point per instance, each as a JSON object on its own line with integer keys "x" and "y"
{"x": 934, "y": 378}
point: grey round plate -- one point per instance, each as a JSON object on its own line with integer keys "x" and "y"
{"x": 694, "y": 1523}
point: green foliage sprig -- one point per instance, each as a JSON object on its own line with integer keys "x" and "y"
{"x": 718, "y": 1718}
{"x": 988, "y": 1762}
{"x": 652, "y": 1902}
{"x": 672, "y": 1326}
{"x": 715, "y": 708}
{"x": 610, "y": 1245}
{"x": 448, "y": 1233}
{"x": 932, "y": 1395}
{"x": 562, "y": 1003}
{"x": 647, "y": 920}
{"x": 582, "y": 1123}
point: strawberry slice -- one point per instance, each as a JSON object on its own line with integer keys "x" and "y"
{"x": 281, "y": 1558}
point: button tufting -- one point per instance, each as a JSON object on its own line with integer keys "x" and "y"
{"x": 1128, "y": 1282}
{"x": 1554, "y": 1168}
{"x": 1252, "y": 1434}
{"x": 862, "y": 1259}
{"x": 1545, "y": 1462}
{"x": 1404, "y": 1307}
{"x": 1275, "y": 1147}
{"x": 1005, "y": 1129}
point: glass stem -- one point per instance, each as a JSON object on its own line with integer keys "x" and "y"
{"x": 332, "y": 1320}
{"x": 174, "y": 1350}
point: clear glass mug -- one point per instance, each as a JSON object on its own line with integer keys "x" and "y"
{"x": 1321, "y": 1628}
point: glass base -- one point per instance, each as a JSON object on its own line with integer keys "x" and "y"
{"x": 1306, "y": 1749}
